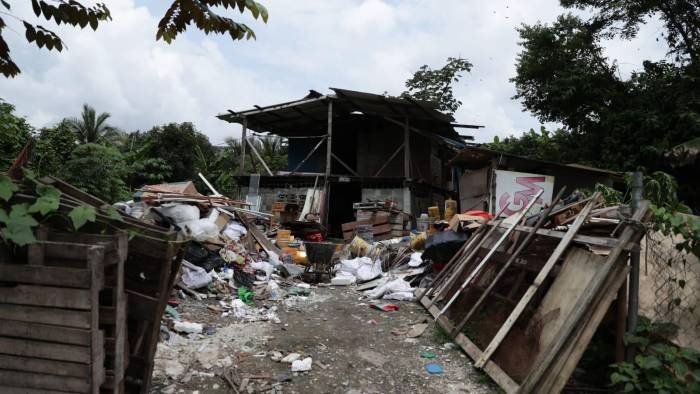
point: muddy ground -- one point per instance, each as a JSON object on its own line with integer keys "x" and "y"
{"x": 334, "y": 327}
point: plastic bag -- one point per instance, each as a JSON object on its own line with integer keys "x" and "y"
{"x": 395, "y": 286}
{"x": 234, "y": 231}
{"x": 369, "y": 271}
{"x": 201, "y": 230}
{"x": 180, "y": 213}
{"x": 194, "y": 277}
{"x": 416, "y": 259}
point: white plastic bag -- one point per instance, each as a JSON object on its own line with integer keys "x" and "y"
{"x": 194, "y": 277}
{"x": 185, "y": 326}
{"x": 234, "y": 231}
{"x": 180, "y": 213}
{"x": 200, "y": 230}
{"x": 416, "y": 260}
{"x": 395, "y": 286}
{"x": 369, "y": 271}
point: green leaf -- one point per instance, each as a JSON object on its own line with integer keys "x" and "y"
{"x": 3, "y": 216}
{"x": 113, "y": 213}
{"x": 49, "y": 200}
{"x": 696, "y": 375}
{"x": 680, "y": 367}
{"x": 20, "y": 235}
{"x": 81, "y": 215}
{"x": 28, "y": 173}
{"x": 36, "y": 7}
{"x": 263, "y": 12}
{"x": 7, "y": 187}
{"x": 629, "y": 387}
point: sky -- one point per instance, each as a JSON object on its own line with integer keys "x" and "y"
{"x": 366, "y": 45}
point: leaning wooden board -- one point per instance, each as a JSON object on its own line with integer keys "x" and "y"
{"x": 564, "y": 317}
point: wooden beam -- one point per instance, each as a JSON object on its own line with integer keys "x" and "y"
{"x": 255, "y": 151}
{"x": 308, "y": 155}
{"x": 544, "y": 273}
{"x": 578, "y": 238}
{"x": 347, "y": 167}
{"x": 329, "y": 150}
{"x": 407, "y": 150}
{"x": 244, "y": 128}
{"x": 393, "y": 155}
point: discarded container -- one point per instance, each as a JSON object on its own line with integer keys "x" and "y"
{"x": 188, "y": 327}
{"x": 423, "y": 223}
{"x": 302, "y": 365}
{"x": 450, "y": 208}
{"x": 384, "y": 307}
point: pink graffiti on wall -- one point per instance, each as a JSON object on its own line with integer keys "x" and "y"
{"x": 522, "y": 197}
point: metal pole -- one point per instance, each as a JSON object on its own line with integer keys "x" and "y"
{"x": 241, "y": 165}
{"x": 633, "y": 296}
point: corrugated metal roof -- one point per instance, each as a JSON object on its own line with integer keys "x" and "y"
{"x": 309, "y": 115}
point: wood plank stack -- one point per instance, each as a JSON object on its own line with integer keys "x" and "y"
{"x": 386, "y": 224}
{"x": 51, "y": 336}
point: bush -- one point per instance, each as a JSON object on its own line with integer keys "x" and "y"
{"x": 99, "y": 170}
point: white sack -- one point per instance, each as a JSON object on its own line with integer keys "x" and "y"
{"x": 416, "y": 260}
{"x": 201, "y": 230}
{"x": 234, "y": 231}
{"x": 194, "y": 277}
{"x": 180, "y": 213}
{"x": 369, "y": 271}
{"x": 395, "y": 286}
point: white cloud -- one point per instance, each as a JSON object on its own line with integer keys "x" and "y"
{"x": 371, "y": 45}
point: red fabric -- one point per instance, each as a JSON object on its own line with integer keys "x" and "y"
{"x": 482, "y": 214}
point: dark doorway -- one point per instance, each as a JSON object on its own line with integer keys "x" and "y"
{"x": 342, "y": 196}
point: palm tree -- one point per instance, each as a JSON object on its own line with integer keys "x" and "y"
{"x": 91, "y": 128}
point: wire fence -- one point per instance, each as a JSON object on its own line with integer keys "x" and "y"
{"x": 670, "y": 287}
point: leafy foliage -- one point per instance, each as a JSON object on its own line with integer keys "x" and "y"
{"x": 14, "y": 133}
{"x": 659, "y": 365}
{"x": 611, "y": 122}
{"x": 179, "y": 15}
{"x": 178, "y": 144}
{"x": 182, "y": 12}
{"x": 427, "y": 84}
{"x": 90, "y": 127}
{"x": 99, "y": 170}
{"x": 81, "y": 215}
{"x": 53, "y": 149}
{"x": 68, "y": 12}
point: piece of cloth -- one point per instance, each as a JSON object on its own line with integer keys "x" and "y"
{"x": 384, "y": 307}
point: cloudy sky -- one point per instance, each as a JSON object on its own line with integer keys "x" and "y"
{"x": 368, "y": 45}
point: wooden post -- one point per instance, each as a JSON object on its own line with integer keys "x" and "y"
{"x": 633, "y": 282}
{"x": 329, "y": 146}
{"x": 241, "y": 165}
{"x": 407, "y": 151}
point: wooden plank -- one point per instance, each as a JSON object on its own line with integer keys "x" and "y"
{"x": 43, "y": 381}
{"x": 491, "y": 368}
{"x": 142, "y": 307}
{"x": 49, "y": 350}
{"x": 40, "y": 365}
{"x": 59, "y": 317}
{"x": 560, "y": 370}
{"x": 44, "y": 332}
{"x": 578, "y": 238}
{"x": 539, "y": 279}
{"x": 629, "y": 234}
{"x": 45, "y": 296}
{"x": 43, "y": 275}
{"x": 19, "y": 390}
{"x": 350, "y": 226}
{"x": 67, "y": 250}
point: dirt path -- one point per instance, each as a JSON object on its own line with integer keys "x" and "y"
{"x": 334, "y": 327}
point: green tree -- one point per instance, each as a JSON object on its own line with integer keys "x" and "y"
{"x": 179, "y": 15}
{"x": 619, "y": 123}
{"x": 90, "y": 127}
{"x": 54, "y": 148}
{"x": 99, "y": 170}
{"x": 180, "y": 145}
{"x": 427, "y": 84}
{"x": 14, "y": 133}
